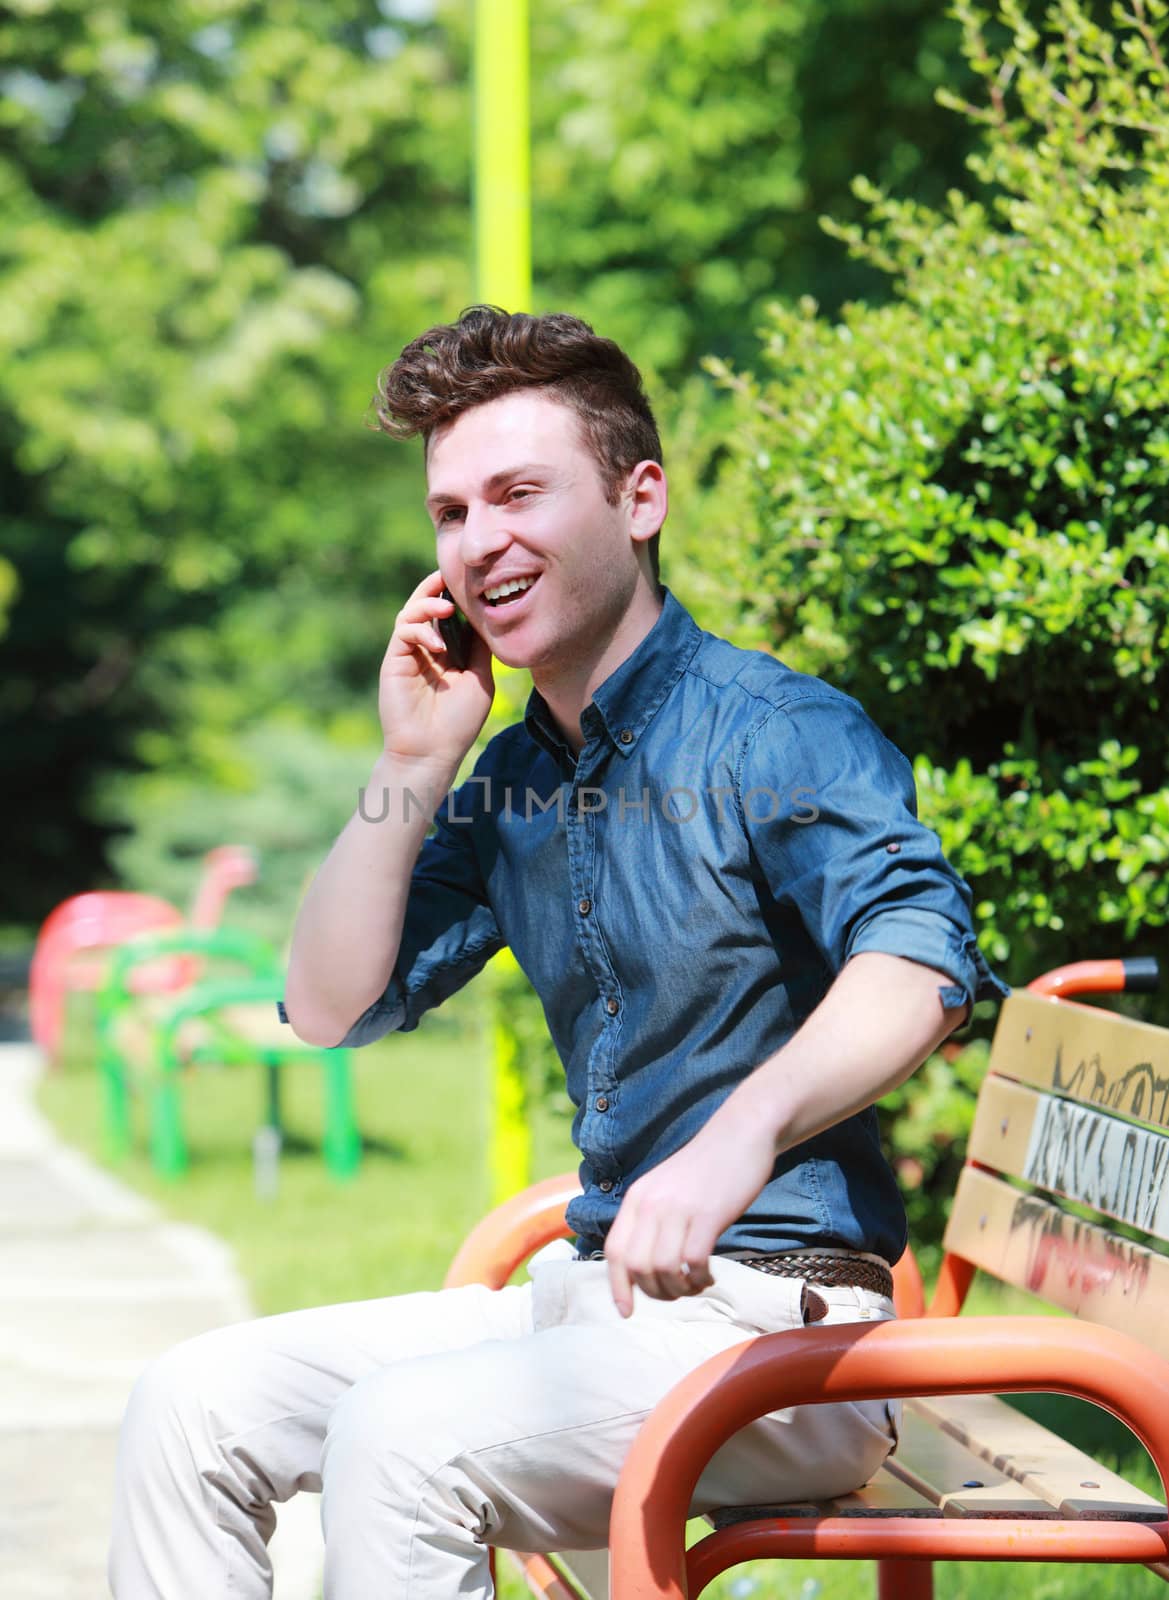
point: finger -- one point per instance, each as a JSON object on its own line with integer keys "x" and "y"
{"x": 426, "y": 600}
{"x": 651, "y": 1262}
{"x": 620, "y": 1285}
{"x": 647, "y": 1239}
{"x": 697, "y": 1274}
{"x": 424, "y": 608}
{"x": 419, "y": 636}
{"x": 696, "y": 1253}
{"x": 670, "y": 1278}
{"x": 620, "y": 1281}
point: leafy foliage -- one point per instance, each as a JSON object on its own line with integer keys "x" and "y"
{"x": 223, "y": 218}
{"x": 192, "y": 280}
{"x": 291, "y": 791}
{"x": 956, "y": 506}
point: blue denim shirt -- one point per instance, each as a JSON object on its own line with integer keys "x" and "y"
{"x": 681, "y": 896}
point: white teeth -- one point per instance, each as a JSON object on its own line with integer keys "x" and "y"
{"x": 513, "y": 586}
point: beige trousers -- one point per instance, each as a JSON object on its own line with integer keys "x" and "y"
{"x": 434, "y": 1425}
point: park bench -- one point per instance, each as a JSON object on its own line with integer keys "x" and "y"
{"x": 1067, "y": 1124}
{"x": 148, "y": 1042}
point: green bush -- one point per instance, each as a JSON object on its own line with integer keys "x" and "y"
{"x": 956, "y": 506}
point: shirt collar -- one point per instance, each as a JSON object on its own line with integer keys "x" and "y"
{"x": 625, "y": 704}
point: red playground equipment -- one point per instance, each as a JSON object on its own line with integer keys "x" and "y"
{"x": 77, "y": 934}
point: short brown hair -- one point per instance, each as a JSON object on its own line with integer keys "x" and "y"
{"x": 487, "y": 353}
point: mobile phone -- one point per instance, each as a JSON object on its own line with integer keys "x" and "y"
{"x": 457, "y": 634}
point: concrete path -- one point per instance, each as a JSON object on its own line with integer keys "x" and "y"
{"x": 93, "y": 1283}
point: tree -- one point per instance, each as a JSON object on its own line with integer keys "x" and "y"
{"x": 222, "y": 219}
{"x": 956, "y": 506}
{"x": 193, "y": 283}
{"x": 683, "y": 154}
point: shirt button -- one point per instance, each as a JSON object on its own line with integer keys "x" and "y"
{"x": 602, "y": 1102}
{"x": 584, "y": 907}
{"x": 893, "y": 849}
{"x": 605, "y": 1185}
{"x": 626, "y": 736}
{"x": 612, "y": 1007}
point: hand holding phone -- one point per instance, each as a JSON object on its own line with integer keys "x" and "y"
{"x": 457, "y": 635}
{"x": 435, "y": 684}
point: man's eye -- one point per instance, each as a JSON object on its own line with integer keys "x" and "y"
{"x": 449, "y": 514}
{"x": 520, "y": 494}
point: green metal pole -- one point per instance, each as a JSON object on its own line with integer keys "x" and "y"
{"x": 503, "y": 204}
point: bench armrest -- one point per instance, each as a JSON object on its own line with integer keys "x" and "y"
{"x": 908, "y": 1288}
{"x": 859, "y": 1361}
{"x": 1136, "y": 974}
{"x": 507, "y": 1236}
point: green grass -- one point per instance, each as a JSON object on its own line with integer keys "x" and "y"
{"x": 422, "y": 1110}
{"x": 421, "y": 1102}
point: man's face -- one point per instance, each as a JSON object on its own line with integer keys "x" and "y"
{"x": 516, "y": 498}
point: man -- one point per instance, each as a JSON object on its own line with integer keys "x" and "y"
{"x": 711, "y": 870}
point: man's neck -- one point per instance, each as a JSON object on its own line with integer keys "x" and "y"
{"x": 567, "y": 689}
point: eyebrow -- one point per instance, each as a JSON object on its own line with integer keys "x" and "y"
{"x": 529, "y": 469}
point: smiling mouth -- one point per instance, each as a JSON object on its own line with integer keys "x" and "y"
{"x": 502, "y": 594}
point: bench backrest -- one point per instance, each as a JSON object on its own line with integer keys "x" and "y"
{"x": 1072, "y": 1105}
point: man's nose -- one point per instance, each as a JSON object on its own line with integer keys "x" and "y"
{"x": 484, "y": 534}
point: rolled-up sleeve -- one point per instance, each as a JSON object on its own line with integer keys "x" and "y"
{"x": 450, "y": 931}
{"x": 831, "y": 811}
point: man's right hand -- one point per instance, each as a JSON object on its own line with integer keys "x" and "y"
{"x": 349, "y": 927}
{"x": 431, "y": 711}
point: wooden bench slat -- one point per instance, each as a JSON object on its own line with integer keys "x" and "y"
{"x": 1069, "y": 1481}
{"x": 1028, "y": 1242}
{"x": 1112, "y": 1166}
{"x": 1085, "y": 1053}
{"x": 941, "y": 1467}
{"x": 885, "y": 1495}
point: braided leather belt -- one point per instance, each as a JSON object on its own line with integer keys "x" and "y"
{"x": 826, "y": 1272}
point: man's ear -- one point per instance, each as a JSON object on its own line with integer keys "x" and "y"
{"x": 647, "y": 496}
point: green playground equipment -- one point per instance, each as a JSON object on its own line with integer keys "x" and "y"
{"x": 146, "y": 1042}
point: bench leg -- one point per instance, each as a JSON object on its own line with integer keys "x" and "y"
{"x": 272, "y": 1092}
{"x": 905, "y": 1580}
{"x": 168, "y": 1148}
{"x": 342, "y": 1139}
{"x": 116, "y": 1100}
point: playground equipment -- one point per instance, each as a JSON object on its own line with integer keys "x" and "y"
{"x": 148, "y": 1041}
{"x": 76, "y": 937}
